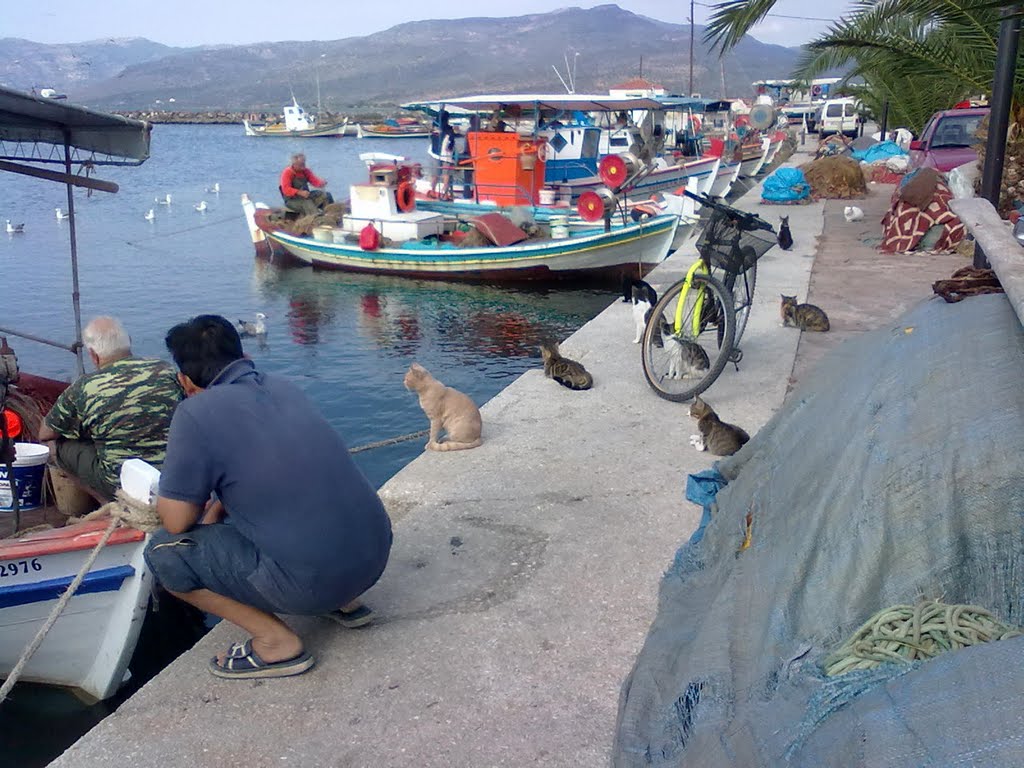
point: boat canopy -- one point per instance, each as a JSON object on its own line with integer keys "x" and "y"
{"x": 532, "y": 102}
{"x": 38, "y": 130}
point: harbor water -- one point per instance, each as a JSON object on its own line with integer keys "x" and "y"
{"x": 346, "y": 340}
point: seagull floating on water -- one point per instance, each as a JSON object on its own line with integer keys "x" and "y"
{"x": 165, "y": 201}
{"x": 150, "y": 215}
{"x": 853, "y": 213}
{"x": 251, "y": 328}
{"x": 201, "y": 207}
{"x": 61, "y": 215}
{"x": 13, "y": 229}
{"x": 215, "y": 189}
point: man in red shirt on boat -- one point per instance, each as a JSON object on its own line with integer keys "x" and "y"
{"x": 302, "y": 189}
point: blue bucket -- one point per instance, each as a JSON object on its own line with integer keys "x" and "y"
{"x": 29, "y": 468}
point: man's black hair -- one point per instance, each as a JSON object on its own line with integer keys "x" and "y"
{"x": 203, "y": 347}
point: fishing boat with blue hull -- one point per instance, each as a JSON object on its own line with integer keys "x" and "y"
{"x": 89, "y": 646}
{"x": 579, "y": 131}
{"x": 633, "y": 248}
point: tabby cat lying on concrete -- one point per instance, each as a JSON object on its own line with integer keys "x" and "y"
{"x": 448, "y": 410}
{"x": 566, "y": 372}
{"x": 715, "y": 436}
{"x": 806, "y": 317}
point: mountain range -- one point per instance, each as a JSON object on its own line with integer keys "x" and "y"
{"x": 410, "y": 61}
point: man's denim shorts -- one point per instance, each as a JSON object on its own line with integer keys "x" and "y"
{"x": 214, "y": 557}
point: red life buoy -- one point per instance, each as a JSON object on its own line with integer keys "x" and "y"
{"x": 406, "y": 197}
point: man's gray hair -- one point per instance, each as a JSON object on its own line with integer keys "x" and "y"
{"x": 106, "y": 337}
{"x": 297, "y": 155}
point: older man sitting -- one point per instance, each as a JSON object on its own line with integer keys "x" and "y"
{"x": 120, "y": 412}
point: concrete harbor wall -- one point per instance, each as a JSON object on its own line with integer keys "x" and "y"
{"x": 522, "y": 582}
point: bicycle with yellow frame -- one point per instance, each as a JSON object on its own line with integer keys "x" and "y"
{"x": 694, "y": 330}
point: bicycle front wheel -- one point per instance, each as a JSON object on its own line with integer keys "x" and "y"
{"x": 688, "y": 338}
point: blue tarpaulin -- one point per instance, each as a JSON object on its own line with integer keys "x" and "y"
{"x": 880, "y": 151}
{"x": 786, "y": 185}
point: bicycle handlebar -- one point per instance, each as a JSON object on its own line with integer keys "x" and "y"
{"x": 746, "y": 220}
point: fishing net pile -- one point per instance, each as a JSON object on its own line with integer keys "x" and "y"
{"x": 1011, "y": 193}
{"x": 303, "y": 226}
{"x": 835, "y": 178}
{"x": 888, "y": 480}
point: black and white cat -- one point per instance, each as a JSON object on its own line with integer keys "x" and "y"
{"x": 643, "y": 297}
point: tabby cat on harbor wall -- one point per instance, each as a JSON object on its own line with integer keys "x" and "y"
{"x": 448, "y": 410}
{"x": 806, "y": 317}
{"x": 566, "y": 372}
{"x": 715, "y": 436}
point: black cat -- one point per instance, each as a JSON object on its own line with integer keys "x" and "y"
{"x": 785, "y": 236}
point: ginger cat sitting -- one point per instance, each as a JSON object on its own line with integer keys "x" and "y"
{"x": 448, "y": 410}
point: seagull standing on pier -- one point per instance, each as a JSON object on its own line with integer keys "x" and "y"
{"x": 61, "y": 216}
{"x": 253, "y": 328}
{"x": 14, "y": 229}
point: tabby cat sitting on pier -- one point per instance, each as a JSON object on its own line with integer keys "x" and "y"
{"x": 806, "y": 317}
{"x": 715, "y": 436}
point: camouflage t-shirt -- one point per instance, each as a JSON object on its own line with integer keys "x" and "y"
{"x": 124, "y": 408}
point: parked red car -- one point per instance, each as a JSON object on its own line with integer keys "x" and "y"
{"x": 947, "y": 140}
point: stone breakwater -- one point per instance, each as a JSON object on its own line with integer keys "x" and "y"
{"x": 195, "y": 118}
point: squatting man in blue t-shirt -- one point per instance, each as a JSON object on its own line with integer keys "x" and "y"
{"x": 294, "y": 527}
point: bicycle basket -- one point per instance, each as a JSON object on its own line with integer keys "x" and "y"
{"x": 724, "y": 245}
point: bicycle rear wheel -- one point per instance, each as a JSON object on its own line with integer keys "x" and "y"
{"x": 681, "y": 362}
{"x": 741, "y": 287}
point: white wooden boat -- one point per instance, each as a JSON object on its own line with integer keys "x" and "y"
{"x": 726, "y": 176}
{"x": 297, "y": 124}
{"x": 93, "y": 640}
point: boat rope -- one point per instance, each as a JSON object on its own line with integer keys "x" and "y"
{"x": 390, "y": 441}
{"x": 123, "y": 511}
{"x": 906, "y": 633}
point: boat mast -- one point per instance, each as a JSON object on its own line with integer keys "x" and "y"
{"x": 75, "y": 296}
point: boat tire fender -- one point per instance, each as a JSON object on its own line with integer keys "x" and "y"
{"x": 405, "y": 196}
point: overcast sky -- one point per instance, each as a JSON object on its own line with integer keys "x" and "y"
{"x": 198, "y": 22}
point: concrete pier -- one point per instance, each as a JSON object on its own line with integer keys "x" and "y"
{"x": 524, "y": 574}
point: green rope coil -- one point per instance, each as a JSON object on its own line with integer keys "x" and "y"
{"x": 906, "y": 633}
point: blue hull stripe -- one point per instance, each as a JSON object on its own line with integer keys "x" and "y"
{"x": 105, "y": 580}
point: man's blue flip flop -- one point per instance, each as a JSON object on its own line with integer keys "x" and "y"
{"x": 242, "y": 663}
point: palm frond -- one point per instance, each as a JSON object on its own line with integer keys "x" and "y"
{"x": 732, "y": 19}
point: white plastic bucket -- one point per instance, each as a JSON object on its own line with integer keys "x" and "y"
{"x": 323, "y": 234}
{"x": 547, "y": 196}
{"x": 559, "y": 227}
{"x": 29, "y": 467}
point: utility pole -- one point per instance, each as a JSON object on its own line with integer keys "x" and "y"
{"x": 999, "y": 114}
{"x": 690, "y": 93}
{"x": 721, "y": 65}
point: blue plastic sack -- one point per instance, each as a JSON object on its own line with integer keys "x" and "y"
{"x": 785, "y": 186}
{"x": 880, "y": 151}
{"x": 702, "y": 488}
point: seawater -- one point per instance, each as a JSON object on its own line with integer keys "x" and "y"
{"x": 346, "y": 340}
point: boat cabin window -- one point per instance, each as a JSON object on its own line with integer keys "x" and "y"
{"x": 619, "y": 141}
{"x": 591, "y": 142}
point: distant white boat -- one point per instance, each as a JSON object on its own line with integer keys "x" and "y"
{"x": 297, "y": 123}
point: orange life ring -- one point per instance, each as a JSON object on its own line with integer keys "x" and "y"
{"x": 542, "y": 152}
{"x": 405, "y": 197}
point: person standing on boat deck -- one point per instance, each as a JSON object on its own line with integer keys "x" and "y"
{"x": 296, "y": 528}
{"x": 302, "y": 189}
{"x": 120, "y": 412}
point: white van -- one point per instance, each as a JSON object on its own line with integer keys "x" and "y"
{"x": 839, "y": 116}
